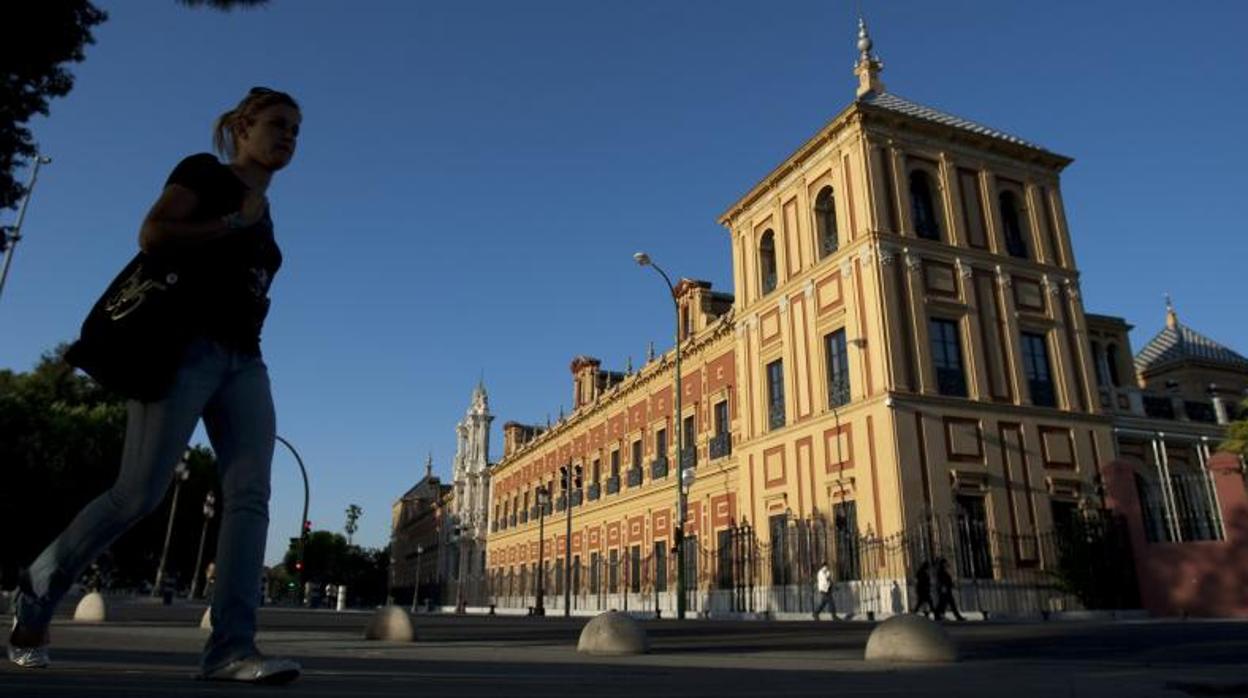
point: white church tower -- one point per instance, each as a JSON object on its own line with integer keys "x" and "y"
{"x": 471, "y": 479}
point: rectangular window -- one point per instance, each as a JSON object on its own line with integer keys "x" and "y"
{"x": 660, "y": 443}
{"x": 775, "y": 394}
{"x": 690, "y": 548}
{"x": 613, "y": 571}
{"x": 845, "y": 522}
{"x": 634, "y": 569}
{"x": 597, "y": 471}
{"x": 660, "y": 566}
{"x": 1036, "y": 366}
{"x": 689, "y": 431}
{"x": 726, "y": 557}
{"x": 576, "y": 574}
{"x": 615, "y": 464}
{"x": 558, "y": 576}
{"x": 838, "y": 368}
{"x": 637, "y": 454}
{"x": 721, "y": 418}
{"x": 947, "y": 357}
{"x": 973, "y": 550}
{"x": 595, "y": 563}
{"x": 779, "y": 549}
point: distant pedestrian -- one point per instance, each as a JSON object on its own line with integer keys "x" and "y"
{"x": 823, "y": 584}
{"x": 178, "y": 333}
{"x": 944, "y": 591}
{"x": 923, "y": 590}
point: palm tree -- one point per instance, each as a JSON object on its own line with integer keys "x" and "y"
{"x": 354, "y": 512}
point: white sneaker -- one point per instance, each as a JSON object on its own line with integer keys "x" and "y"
{"x": 256, "y": 669}
{"x": 28, "y": 657}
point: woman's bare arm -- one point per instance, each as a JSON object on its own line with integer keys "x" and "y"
{"x": 169, "y": 226}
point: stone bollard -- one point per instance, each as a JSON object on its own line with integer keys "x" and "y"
{"x": 910, "y": 638}
{"x": 90, "y": 609}
{"x": 205, "y": 623}
{"x": 391, "y": 624}
{"x": 342, "y": 598}
{"x": 613, "y": 633}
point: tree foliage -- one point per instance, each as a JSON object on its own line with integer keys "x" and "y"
{"x": 1237, "y": 433}
{"x": 61, "y": 438}
{"x": 35, "y": 71}
{"x": 329, "y": 559}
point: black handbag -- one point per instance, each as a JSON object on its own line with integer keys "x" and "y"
{"x": 136, "y": 334}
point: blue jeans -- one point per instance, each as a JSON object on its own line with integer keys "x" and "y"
{"x": 230, "y": 390}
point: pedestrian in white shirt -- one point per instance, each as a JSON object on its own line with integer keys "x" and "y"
{"x": 823, "y": 583}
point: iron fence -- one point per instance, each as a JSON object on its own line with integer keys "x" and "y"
{"x": 1083, "y": 564}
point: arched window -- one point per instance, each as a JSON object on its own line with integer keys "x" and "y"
{"x": 1111, "y": 356}
{"x": 825, "y": 221}
{"x": 1012, "y": 225}
{"x": 767, "y": 262}
{"x": 923, "y": 206}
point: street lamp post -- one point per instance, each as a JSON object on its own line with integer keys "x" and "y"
{"x": 681, "y": 494}
{"x": 303, "y": 522}
{"x": 416, "y": 584}
{"x": 180, "y": 473}
{"x": 210, "y": 510}
{"x": 9, "y": 236}
{"x": 543, "y": 496}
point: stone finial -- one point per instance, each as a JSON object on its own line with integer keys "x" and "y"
{"x": 869, "y": 66}
{"x": 429, "y": 465}
{"x": 650, "y": 352}
{"x": 1172, "y": 318}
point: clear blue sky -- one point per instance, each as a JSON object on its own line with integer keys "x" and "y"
{"x": 473, "y": 178}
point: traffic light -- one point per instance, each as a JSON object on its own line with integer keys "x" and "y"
{"x": 298, "y": 565}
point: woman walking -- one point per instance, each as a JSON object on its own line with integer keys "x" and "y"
{"x": 211, "y": 234}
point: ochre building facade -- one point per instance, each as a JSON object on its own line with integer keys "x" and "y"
{"x": 904, "y": 373}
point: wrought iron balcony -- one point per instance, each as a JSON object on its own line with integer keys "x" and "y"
{"x": 775, "y": 415}
{"x": 613, "y": 485}
{"x": 634, "y": 477}
{"x": 688, "y": 457}
{"x": 595, "y": 491}
{"x": 577, "y": 498}
{"x": 512, "y": 520}
{"x": 524, "y": 517}
{"x": 721, "y": 445}
{"x": 562, "y": 503}
{"x": 658, "y": 468}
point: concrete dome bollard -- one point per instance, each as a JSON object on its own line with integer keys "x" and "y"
{"x": 613, "y": 633}
{"x": 90, "y": 609}
{"x": 910, "y": 638}
{"x": 205, "y": 623}
{"x": 391, "y": 624}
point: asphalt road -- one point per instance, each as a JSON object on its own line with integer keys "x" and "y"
{"x": 152, "y": 651}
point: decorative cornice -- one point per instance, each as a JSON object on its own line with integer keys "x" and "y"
{"x": 888, "y": 255}
{"x": 1072, "y": 289}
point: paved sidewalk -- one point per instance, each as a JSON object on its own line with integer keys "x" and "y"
{"x": 535, "y": 657}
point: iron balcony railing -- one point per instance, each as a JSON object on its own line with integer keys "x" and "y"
{"x": 634, "y": 476}
{"x": 613, "y": 485}
{"x": 721, "y": 445}
{"x": 658, "y": 468}
{"x": 595, "y": 491}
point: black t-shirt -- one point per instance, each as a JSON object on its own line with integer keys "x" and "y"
{"x": 230, "y": 276}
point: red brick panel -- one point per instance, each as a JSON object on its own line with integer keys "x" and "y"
{"x": 720, "y": 372}
{"x": 661, "y": 403}
{"x": 660, "y": 523}
{"x": 723, "y": 510}
{"x": 636, "y": 529}
{"x": 613, "y": 535}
